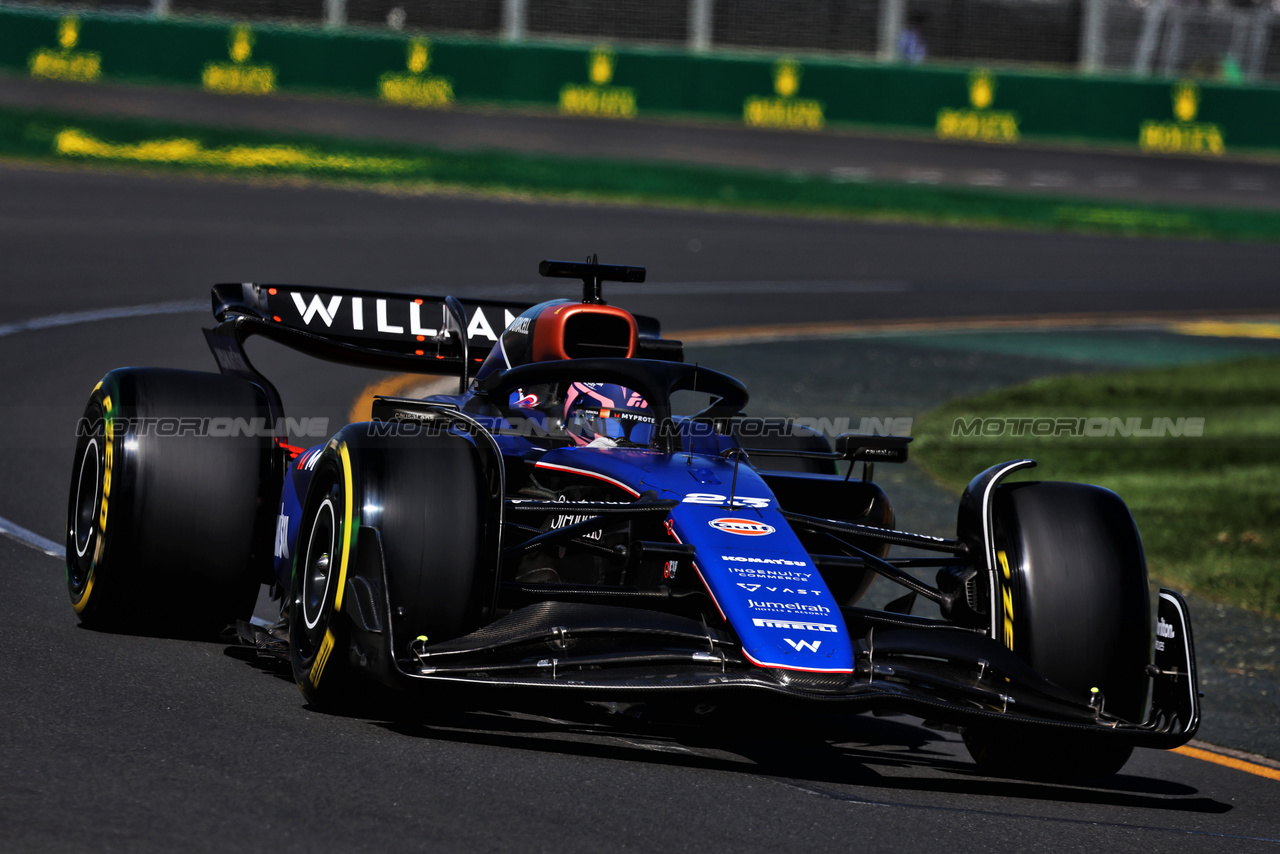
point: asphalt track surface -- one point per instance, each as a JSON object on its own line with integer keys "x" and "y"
{"x": 116, "y": 742}
{"x": 1038, "y": 169}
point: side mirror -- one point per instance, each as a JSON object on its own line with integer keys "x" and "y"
{"x": 858, "y": 447}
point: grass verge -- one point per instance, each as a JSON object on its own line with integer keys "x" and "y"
{"x": 58, "y": 138}
{"x": 1208, "y": 506}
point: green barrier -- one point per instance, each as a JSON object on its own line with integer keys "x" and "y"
{"x": 1168, "y": 116}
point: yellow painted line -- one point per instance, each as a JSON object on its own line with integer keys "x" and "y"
{"x": 72, "y": 142}
{"x": 1228, "y": 329}
{"x": 1229, "y": 762}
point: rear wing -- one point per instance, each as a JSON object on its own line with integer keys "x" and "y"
{"x": 375, "y": 329}
{"x": 393, "y": 331}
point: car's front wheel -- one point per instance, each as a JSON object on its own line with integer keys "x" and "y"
{"x": 1073, "y": 603}
{"x": 395, "y": 524}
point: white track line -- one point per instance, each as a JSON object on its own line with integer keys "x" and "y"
{"x": 12, "y": 529}
{"x": 72, "y": 318}
{"x": 30, "y": 538}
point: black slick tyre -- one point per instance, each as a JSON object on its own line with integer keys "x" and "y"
{"x": 169, "y": 511}
{"x": 1074, "y": 604}
{"x": 406, "y": 516}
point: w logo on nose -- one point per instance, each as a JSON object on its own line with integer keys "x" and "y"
{"x": 804, "y": 645}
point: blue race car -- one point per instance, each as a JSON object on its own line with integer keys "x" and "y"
{"x": 590, "y": 517}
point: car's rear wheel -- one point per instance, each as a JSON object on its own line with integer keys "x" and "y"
{"x": 422, "y": 503}
{"x": 1073, "y": 603}
{"x": 168, "y": 516}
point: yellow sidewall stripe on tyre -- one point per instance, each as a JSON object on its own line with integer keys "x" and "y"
{"x": 1006, "y": 597}
{"x": 326, "y": 646}
{"x": 82, "y": 602}
{"x": 79, "y": 604}
{"x": 346, "y": 525}
{"x": 322, "y": 656}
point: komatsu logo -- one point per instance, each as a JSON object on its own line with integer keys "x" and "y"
{"x": 772, "y": 561}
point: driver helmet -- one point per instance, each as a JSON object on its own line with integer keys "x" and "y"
{"x": 607, "y": 414}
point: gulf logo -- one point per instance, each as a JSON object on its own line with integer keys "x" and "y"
{"x": 742, "y": 527}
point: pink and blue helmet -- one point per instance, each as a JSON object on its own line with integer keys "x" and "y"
{"x": 593, "y": 410}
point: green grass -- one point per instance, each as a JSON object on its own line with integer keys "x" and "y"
{"x": 1208, "y": 507}
{"x": 160, "y": 146}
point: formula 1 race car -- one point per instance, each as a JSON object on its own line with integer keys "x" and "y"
{"x": 590, "y": 517}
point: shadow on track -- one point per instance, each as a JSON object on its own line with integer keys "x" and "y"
{"x": 808, "y": 751}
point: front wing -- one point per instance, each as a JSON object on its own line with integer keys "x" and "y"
{"x": 903, "y": 664}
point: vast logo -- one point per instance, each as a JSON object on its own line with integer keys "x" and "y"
{"x": 799, "y": 591}
{"x": 742, "y": 527}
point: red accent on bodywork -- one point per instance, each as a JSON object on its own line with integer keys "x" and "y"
{"x": 293, "y": 450}
{"x": 585, "y": 473}
{"x": 548, "y": 333}
{"x": 694, "y": 564}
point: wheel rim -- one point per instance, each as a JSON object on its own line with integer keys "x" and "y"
{"x": 87, "y": 492}
{"x": 317, "y": 564}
